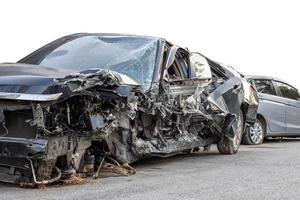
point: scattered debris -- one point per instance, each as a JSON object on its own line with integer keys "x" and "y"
{"x": 74, "y": 180}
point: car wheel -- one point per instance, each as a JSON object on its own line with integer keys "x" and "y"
{"x": 254, "y": 134}
{"x": 231, "y": 146}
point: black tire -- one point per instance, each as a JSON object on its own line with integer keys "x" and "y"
{"x": 231, "y": 146}
{"x": 254, "y": 135}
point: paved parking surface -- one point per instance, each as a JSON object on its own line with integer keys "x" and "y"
{"x": 268, "y": 171}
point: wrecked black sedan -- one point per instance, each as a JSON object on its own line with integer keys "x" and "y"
{"x": 89, "y": 99}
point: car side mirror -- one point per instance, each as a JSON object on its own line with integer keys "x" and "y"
{"x": 201, "y": 66}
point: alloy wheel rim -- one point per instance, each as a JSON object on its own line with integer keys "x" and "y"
{"x": 256, "y": 133}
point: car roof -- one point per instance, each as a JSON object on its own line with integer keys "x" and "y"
{"x": 267, "y": 77}
{"x": 263, "y": 77}
{"x": 259, "y": 77}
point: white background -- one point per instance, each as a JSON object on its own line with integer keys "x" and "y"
{"x": 256, "y": 37}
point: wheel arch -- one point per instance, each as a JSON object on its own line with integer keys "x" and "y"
{"x": 263, "y": 121}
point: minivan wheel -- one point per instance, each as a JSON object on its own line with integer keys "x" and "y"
{"x": 231, "y": 146}
{"x": 254, "y": 135}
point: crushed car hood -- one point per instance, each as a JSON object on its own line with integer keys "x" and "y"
{"x": 39, "y": 83}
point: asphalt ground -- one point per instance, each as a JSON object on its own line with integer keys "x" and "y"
{"x": 267, "y": 171}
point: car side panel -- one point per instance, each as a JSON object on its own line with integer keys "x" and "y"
{"x": 273, "y": 109}
{"x": 293, "y": 117}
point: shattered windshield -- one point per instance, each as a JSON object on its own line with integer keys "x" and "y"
{"x": 133, "y": 56}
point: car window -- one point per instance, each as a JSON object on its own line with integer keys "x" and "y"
{"x": 287, "y": 91}
{"x": 132, "y": 56}
{"x": 179, "y": 69}
{"x": 174, "y": 72}
{"x": 265, "y": 86}
{"x": 182, "y": 61}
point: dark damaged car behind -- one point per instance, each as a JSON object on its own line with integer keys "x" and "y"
{"x": 86, "y": 101}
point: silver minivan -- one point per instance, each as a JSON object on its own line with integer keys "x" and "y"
{"x": 278, "y": 111}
